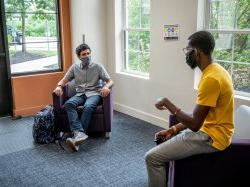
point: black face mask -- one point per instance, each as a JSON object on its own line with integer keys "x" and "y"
{"x": 86, "y": 61}
{"x": 190, "y": 60}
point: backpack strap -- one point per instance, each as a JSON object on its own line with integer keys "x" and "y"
{"x": 60, "y": 144}
{"x": 61, "y": 138}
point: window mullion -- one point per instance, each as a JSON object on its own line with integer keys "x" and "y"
{"x": 232, "y": 56}
{"x": 229, "y": 31}
{"x": 140, "y": 13}
{"x": 207, "y": 15}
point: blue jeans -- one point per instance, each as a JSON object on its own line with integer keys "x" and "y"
{"x": 184, "y": 144}
{"x": 89, "y": 105}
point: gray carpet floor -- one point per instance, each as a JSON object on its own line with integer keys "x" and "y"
{"x": 118, "y": 161}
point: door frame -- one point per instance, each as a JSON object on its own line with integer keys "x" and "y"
{"x": 5, "y": 55}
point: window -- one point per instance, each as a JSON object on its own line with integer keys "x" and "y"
{"x": 228, "y": 21}
{"x": 136, "y": 29}
{"x": 33, "y": 35}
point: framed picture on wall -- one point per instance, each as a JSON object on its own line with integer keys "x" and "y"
{"x": 171, "y": 32}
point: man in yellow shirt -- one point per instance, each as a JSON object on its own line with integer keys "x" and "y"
{"x": 210, "y": 126}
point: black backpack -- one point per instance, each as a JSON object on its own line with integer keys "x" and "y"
{"x": 43, "y": 127}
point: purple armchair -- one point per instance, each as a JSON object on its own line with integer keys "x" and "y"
{"x": 101, "y": 119}
{"x": 225, "y": 168}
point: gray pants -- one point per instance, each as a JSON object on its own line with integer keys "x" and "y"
{"x": 182, "y": 145}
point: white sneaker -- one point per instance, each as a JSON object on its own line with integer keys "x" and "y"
{"x": 77, "y": 139}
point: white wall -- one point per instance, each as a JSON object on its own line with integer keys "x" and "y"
{"x": 89, "y": 17}
{"x": 169, "y": 75}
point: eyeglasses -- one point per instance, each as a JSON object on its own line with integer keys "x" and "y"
{"x": 187, "y": 50}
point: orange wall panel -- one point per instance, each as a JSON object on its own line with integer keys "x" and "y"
{"x": 33, "y": 92}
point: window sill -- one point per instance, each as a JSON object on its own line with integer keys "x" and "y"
{"x": 146, "y": 77}
{"x": 242, "y": 97}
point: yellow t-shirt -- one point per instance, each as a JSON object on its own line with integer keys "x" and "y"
{"x": 216, "y": 90}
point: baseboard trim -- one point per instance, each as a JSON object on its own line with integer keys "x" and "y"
{"x": 141, "y": 115}
{"x": 29, "y": 111}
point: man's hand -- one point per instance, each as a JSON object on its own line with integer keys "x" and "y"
{"x": 58, "y": 91}
{"x": 104, "y": 91}
{"x": 161, "y": 103}
{"x": 165, "y": 134}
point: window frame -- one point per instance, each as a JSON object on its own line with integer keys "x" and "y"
{"x": 125, "y": 33}
{"x": 59, "y": 47}
{"x": 225, "y": 31}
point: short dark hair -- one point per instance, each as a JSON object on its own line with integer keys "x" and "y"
{"x": 202, "y": 40}
{"x": 82, "y": 47}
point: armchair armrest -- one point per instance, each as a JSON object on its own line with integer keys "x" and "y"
{"x": 107, "y": 101}
{"x": 108, "y": 110}
{"x": 241, "y": 142}
{"x": 58, "y": 101}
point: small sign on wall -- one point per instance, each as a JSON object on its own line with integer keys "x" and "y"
{"x": 171, "y": 32}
